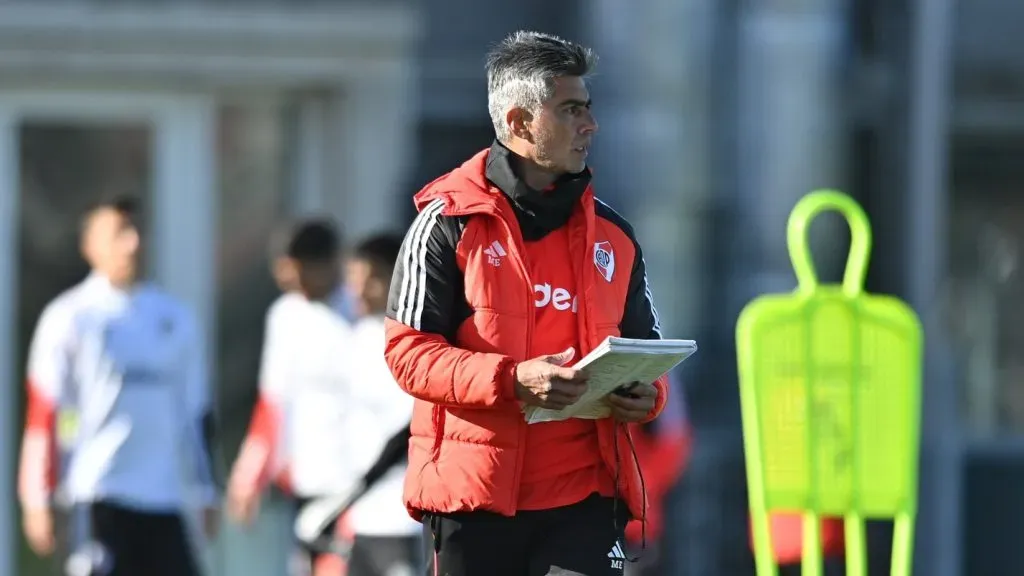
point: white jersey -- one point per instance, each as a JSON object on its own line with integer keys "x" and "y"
{"x": 129, "y": 364}
{"x": 378, "y": 409}
{"x": 303, "y": 373}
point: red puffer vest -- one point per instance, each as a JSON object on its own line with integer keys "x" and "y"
{"x": 467, "y": 454}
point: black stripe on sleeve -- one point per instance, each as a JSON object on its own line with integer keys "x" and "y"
{"x": 427, "y": 291}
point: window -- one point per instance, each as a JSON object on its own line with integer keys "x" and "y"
{"x": 985, "y": 296}
{"x": 253, "y": 165}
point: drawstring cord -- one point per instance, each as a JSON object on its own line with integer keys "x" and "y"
{"x": 643, "y": 491}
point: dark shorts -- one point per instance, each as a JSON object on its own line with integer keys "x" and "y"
{"x": 373, "y": 555}
{"x": 312, "y": 555}
{"x": 384, "y": 556}
{"x": 583, "y": 538}
{"x": 135, "y": 542}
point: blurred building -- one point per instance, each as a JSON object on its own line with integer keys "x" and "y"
{"x": 225, "y": 117}
{"x": 913, "y": 106}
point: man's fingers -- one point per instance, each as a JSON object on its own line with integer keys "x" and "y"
{"x": 571, "y": 387}
{"x": 645, "y": 391}
{"x": 563, "y": 393}
{"x": 642, "y": 404}
{"x": 42, "y": 547}
{"x": 555, "y": 403}
{"x": 568, "y": 374}
{"x": 562, "y": 358}
{"x": 243, "y": 510}
{"x": 617, "y": 401}
{"x": 627, "y": 414}
{"x": 564, "y": 397}
{"x": 42, "y": 544}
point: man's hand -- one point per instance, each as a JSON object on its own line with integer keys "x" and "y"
{"x": 546, "y": 381}
{"x": 38, "y": 526}
{"x": 635, "y": 406}
{"x": 243, "y": 504}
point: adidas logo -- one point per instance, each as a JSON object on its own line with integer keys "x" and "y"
{"x": 495, "y": 253}
{"x": 617, "y": 556}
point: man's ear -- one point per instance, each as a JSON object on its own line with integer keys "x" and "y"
{"x": 518, "y": 120}
{"x": 376, "y": 288}
{"x": 285, "y": 271}
{"x": 83, "y": 249}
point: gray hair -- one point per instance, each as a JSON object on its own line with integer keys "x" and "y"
{"x": 521, "y": 73}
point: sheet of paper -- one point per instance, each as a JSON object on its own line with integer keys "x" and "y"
{"x": 609, "y": 370}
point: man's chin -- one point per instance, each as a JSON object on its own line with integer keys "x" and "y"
{"x": 577, "y": 168}
{"x": 571, "y": 166}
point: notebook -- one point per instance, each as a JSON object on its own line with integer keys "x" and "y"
{"x": 614, "y": 363}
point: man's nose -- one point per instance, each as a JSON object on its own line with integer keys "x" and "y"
{"x": 130, "y": 243}
{"x": 589, "y": 125}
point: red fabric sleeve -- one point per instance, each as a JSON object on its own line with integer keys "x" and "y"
{"x": 37, "y": 474}
{"x": 252, "y": 467}
{"x": 429, "y": 368}
{"x": 787, "y": 533}
{"x": 661, "y": 384}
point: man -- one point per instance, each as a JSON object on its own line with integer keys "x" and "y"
{"x": 299, "y": 419}
{"x": 386, "y": 540}
{"x": 511, "y": 271}
{"x": 125, "y": 358}
{"x": 285, "y": 269}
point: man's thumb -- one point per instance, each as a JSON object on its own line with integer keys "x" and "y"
{"x": 562, "y": 358}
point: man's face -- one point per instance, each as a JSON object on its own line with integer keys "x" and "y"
{"x": 357, "y": 279}
{"x": 317, "y": 279}
{"x": 286, "y": 274}
{"x": 361, "y": 282}
{"x": 564, "y": 127}
{"x": 111, "y": 245}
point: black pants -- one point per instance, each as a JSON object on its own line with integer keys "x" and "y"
{"x": 582, "y": 539}
{"x": 142, "y": 543}
{"x": 370, "y": 555}
{"x": 383, "y": 555}
{"x": 312, "y": 555}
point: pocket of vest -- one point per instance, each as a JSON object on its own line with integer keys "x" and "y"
{"x": 489, "y": 330}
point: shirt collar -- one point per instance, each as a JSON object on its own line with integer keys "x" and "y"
{"x": 100, "y": 281}
{"x": 538, "y": 212}
{"x": 503, "y": 167}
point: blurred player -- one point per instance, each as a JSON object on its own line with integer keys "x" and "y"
{"x": 284, "y": 270}
{"x": 788, "y": 537}
{"x": 125, "y": 358}
{"x": 386, "y": 539}
{"x": 301, "y": 408}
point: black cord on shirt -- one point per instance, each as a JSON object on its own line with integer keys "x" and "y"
{"x": 643, "y": 491}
